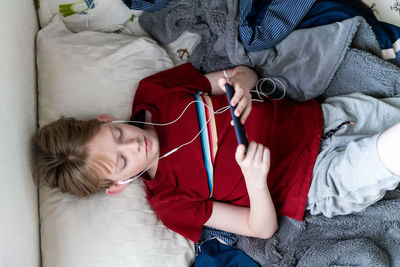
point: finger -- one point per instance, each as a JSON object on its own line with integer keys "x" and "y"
{"x": 245, "y": 113}
{"x": 240, "y": 153}
{"x": 232, "y": 123}
{"x": 241, "y": 106}
{"x": 266, "y": 156}
{"x": 259, "y": 153}
{"x": 251, "y": 151}
{"x": 239, "y": 93}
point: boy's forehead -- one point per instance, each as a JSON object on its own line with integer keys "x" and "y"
{"x": 101, "y": 150}
{"x": 102, "y": 163}
{"x": 102, "y": 135}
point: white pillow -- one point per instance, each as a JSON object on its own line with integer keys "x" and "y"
{"x": 88, "y": 73}
{"x": 103, "y": 231}
{"x": 83, "y": 75}
{"x": 79, "y": 15}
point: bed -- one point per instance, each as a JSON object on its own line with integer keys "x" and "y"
{"x": 90, "y": 56}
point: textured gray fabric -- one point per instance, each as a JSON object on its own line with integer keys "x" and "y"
{"x": 367, "y": 238}
{"x": 206, "y": 18}
{"x": 367, "y": 73}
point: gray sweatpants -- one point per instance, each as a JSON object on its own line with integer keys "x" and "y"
{"x": 349, "y": 175}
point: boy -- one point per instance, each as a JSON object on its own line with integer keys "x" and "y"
{"x": 208, "y": 180}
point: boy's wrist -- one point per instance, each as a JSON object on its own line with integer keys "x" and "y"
{"x": 256, "y": 185}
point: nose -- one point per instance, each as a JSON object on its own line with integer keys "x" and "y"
{"x": 132, "y": 144}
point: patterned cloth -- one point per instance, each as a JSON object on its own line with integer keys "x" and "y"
{"x": 145, "y": 5}
{"x": 209, "y": 233}
{"x": 263, "y": 24}
{"x": 209, "y": 138}
{"x": 334, "y": 130}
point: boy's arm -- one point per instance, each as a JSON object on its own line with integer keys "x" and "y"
{"x": 242, "y": 79}
{"x": 259, "y": 220}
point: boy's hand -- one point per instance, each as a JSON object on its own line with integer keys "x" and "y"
{"x": 254, "y": 164}
{"x": 242, "y": 79}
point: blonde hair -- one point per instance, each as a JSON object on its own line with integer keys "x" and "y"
{"x": 62, "y": 157}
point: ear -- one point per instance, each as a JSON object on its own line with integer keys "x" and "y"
{"x": 115, "y": 189}
{"x": 105, "y": 118}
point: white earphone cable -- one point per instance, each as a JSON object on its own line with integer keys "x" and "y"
{"x": 219, "y": 111}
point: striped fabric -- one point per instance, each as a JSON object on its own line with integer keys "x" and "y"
{"x": 90, "y": 4}
{"x": 208, "y": 136}
{"x": 392, "y": 53}
{"x": 264, "y": 23}
{"x": 208, "y": 233}
{"x": 209, "y": 140}
{"x": 145, "y": 5}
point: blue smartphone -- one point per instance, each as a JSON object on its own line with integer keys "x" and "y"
{"x": 241, "y": 135}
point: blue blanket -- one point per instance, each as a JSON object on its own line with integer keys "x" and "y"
{"x": 328, "y": 11}
{"x": 146, "y": 5}
{"x": 263, "y": 24}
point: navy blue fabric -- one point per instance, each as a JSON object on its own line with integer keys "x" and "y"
{"x": 208, "y": 233}
{"x": 215, "y": 254}
{"x": 263, "y": 24}
{"x": 146, "y": 5}
{"x": 328, "y": 11}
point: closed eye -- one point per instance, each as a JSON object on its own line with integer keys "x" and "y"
{"x": 123, "y": 161}
{"x": 119, "y": 137}
{"x": 120, "y": 134}
{"x": 117, "y": 133}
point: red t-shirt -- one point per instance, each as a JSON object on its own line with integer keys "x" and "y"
{"x": 180, "y": 191}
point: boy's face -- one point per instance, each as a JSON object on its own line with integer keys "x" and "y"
{"x": 127, "y": 150}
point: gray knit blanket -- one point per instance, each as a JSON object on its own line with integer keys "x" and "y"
{"x": 367, "y": 238}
